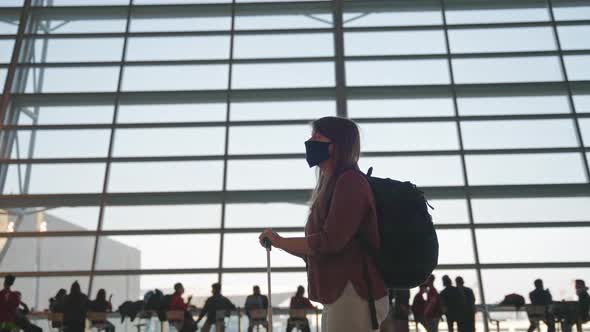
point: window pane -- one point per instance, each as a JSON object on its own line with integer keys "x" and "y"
{"x": 409, "y": 136}
{"x": 69, "y": 143}
{"x": 531, "y": 209}
{"x": 194, "y": 284}
{"x": 76, "y": 80}
{"x": 525, "y": 169}
{"x": 9, "y": 26}
{"x": 132, "y": 252}
{"x": 394, "y": 42}
{"x": 57, "y": 3}
{"x": 258, "y": 215}
{"x": 122, "y": 288}
{"x": 518, "y": 134}
{"x": 34, "y": 254}
{"x": 268, "y": 139}
{"x": 400, "y": 107}
{"x": 472, "y": 12}
{"x": 282, "y": 110}
{"x": 513, "y": 105}
{"x": 247, "y": 21}
{"x": 252, "y": 254}
{"x": 165, "y": 176}
{"x": 183, "y": 77}
{"x": 6, "y": 50}
{"x": 499, "y": 70}
{"x": 161, "y": 216}
{"x": 392, "y": 14}
{"x": 291, "y": 75}
{"x": 582, "y": 103}
{"x": 578, "y": 67}
{"x": 87, "y": 25}
{"x": 171, "y": 113}
{"x": 59, "y": 178}
{"x": 469, "y": 277}
{"x": 418, "y": 170}
{"x": 448, "y": 211}
{"x": 455, "y": 247}
{"x": 567, "y": 11}
{"x": 585, "y": 128}
{"x": 169, "y": 141}
{"x": 529, "y": 245}
{"x": 53, "y": 219}
{"x": 284, "y": 286}
{"x": 178, "y": 48}
{"x": 560, "y": 282}
{"x": 397, "y": 72}
{"x": 72, "y": 115}
{"x": 3, "y": 73}
{"x": 501, "y": 40}
{"x": 78, "y": 50}
{"x": 151, "y": 24}
{"x": 270, "y": 174}
{"x": 572, "y": 37}
{"x": 283, "y": 46}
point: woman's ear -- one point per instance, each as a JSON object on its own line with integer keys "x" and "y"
{"x": 331, "y": 148}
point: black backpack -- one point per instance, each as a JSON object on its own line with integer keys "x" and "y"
{"x": 409, "y": 245}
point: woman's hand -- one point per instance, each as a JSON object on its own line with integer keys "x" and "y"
{"x": 272, "y": 236}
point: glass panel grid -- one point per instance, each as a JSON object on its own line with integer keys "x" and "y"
{"x": 390, "y": 46}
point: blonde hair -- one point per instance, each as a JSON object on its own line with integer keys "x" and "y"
{"x": 344, "y": 134}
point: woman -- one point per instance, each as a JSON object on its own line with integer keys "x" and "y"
{"x": 100, "y": 304}
{"x": 342, "y": 206}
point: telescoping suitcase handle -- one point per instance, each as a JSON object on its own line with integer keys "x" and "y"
{"x": 268, "y": 246}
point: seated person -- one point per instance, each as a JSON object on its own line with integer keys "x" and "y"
{"x": 21, "y": 316}
{"x": 582, "y": 315}
{"x": 215, "y": 303}
{"x": 75, "y": 309}
{"x": 178, "y": 304}
{"x": 542, "y": 297}
{"x": 254, "y": 302}
{"x": 100, "y": 304}
{"x": 299, "y": 302}
{"x": 56, "y": 305}
{"x": 8, "y": 301}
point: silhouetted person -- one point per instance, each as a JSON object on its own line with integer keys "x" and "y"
{"x": 56, "y": 303}
{"x": 299, "y": 302}
{"x": 75, "y": 309}
{"x": 215, "y": 303}
{"x": 542, "y": 297}
{"x": 466, "y": 318}
{"x": 582, "y": 314}
{"x": 419, "y": 305}
{"x": 254, "y": 302}
{"x": 450, "y": 302}
{"x": 583, "y": 300}
{"x": 432, "y": 311}
{"x": 8, "y": 301}
{"x": 401, "y": 310}
{"x": 21, "y": 316}
{"x": 178, "y": 304}
{"x": 100, "y": 304}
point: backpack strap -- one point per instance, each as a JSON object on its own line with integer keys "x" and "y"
{"x": 370, "y": 296}
{"x": 369, "y": 253}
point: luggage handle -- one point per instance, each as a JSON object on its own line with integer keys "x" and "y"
{"x": 268, "y": 246}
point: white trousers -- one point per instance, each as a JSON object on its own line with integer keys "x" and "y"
{"x": 350, "y": 312}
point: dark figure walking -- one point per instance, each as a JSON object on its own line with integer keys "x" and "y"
{"x": 466, "y": 317}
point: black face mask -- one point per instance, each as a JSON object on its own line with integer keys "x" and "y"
{"x": 316, "y": 152}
